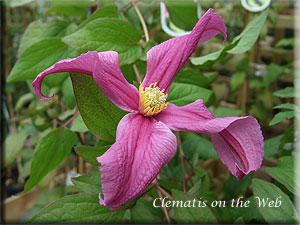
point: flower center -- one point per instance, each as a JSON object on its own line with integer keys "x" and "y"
{"x": 152, "y": 100}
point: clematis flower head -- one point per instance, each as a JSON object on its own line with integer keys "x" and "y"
{"x": 144, "y": 140}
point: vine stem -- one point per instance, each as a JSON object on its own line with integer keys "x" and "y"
{"x": 137, "y": 74}
{"x": 158, "y": 188}
{"x": 72, "y": 119}
{"x": 162, "y": 190}
{"x": 183, "y": 165}
{"x": 142, "y": 20}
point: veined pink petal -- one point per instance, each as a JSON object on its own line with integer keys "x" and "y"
{"x": 105, "y": 68}
{"x": 143, "y": 146}
{"x": 237, "y": 140}
{"x": 240, "y": 146}
{"x": 165, "y": 60}
{"x": 84, "y": 63}
{"x": 110, "y": 79}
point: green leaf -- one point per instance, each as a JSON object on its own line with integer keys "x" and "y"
{"x": 13, "y": 145}
{"x": 194, "y": 143}
{"x": 282, "y": 116}
{"x": 250, "y": 214}
{"x": 106, "y": 34}
{"x": 79, "y": 208}
{"x": 237, "y": 80}
{"x": 39, "y": 57}
{"x": 49, "y": 153}
{"x": 38, "y": 30}
{"x": 225, "y": 112}
{"x": 243, "y": 65}
{"x": 103, "y": 143}
{"x": 283, "y": 213}
{"x": 144, "y": 212}
{"x": 109, "y": 11}
{"x": 70, "y": 8}
{"x": 169, "y": 184}
{"x": 184, "y": 15}
{"x": 89, "y": 183}
{"x": 74, "y": 3}
{"x": 209, "y": 59}
{"x": 65, "y": 10}
{"x": 189, "y": 214}
{"x": 79, "y": 125}
{"x": 286, "y": 176}
{"x": 272, "y": 146}
{"x": 256, "y": 83}
{"x": 25, "y": 170}
{"x": 90, "y": 154}
{"x": 273, "y": 72}
{"x": 286, "y": 162}
{"x": 68, "y": 94}
{"x": 197, "y": 189}
{"x": 189, "y": 76}
{"x": 285, "y": 42}
{"x": 285, "y": 93}
{"x": 250, "y": 34}
{"x": 241, "y": 43}
{"x": 23, "y": 100}
{"x": 285, "y": 106}
{"x": 284, "y": 173}
{"x": 288, "y": 139}
{"x": 182, "y": 94}
{"x": 233, "y": 187}
{"x": 99, "y": 114}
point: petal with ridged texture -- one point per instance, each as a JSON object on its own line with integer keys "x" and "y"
{"x": 165, "y": 60}
{"x": 237, "y": 140}
{"x": 111, "y": 81}
{"x": 143, "y": 146}
{"x": 84, "y": 63}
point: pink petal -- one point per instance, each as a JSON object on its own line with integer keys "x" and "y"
{"x": 110, "y": 79}
{"x": 237, "y": 140}
{"x": 105, "y": 68}
{"x": 143, "y": 146}
{"x": 165, "y": 60}
{"x": 240, "y": 146}
{"x": 84, "y": 63}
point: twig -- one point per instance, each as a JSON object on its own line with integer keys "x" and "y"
{"x": 165, "y": 209}
{"x": 137, "y": 74}
{"x": 80, "y": 162}
{"x": 125, "y": 8}
{"x": 142, "y": 44}
{"x": 182, "y": 161}
{"x": 72, "y": 119}
{"x": 142, "y": 20}
{"x": 162, "y": 190}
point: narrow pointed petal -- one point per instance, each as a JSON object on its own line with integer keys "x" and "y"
{"x": 237, "y": 140}
{"x": 105, "y": 68}
{"x": 165, "y": 60}
{"x": 143, "y": 146}
{"x": 84, "y": 63}
{"x": 110, "y": 79}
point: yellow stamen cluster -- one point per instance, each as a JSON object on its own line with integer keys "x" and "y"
{"x": 152, "y": 100}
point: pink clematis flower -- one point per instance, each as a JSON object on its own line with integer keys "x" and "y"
{"x": 144, "y": 142}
